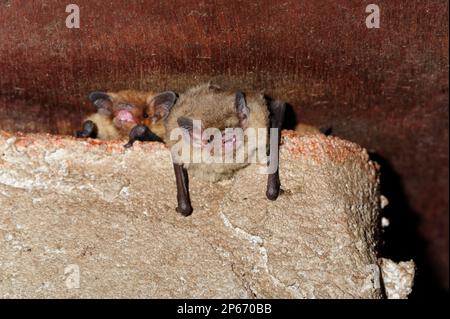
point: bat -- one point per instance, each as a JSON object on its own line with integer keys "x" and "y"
{"x": 119, "y": 112}
{"x": 220, "y": 110}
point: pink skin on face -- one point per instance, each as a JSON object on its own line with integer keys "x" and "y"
{"x": 125, "y": 116}
{"x": 124, "y": 120}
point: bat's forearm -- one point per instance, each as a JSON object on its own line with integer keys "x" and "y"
{"x": 142, "y": 133}
{"x": 277, "y": 109}
{"x": 182, "y": 180}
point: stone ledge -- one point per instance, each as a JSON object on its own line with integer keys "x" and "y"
{"x": 93, "y": 209}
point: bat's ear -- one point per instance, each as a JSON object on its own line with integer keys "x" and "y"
{"x": 242, "y": 109}
{"x": 162, "y": 104}
{"x": 102, "y": 100}
{"x": 185, "y": 123}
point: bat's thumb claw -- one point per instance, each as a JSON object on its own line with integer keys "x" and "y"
{"x": 184, "y": 210}
{"x": 128, "y": 145}
{"x": 272, "y": 193}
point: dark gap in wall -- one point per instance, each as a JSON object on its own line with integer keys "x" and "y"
{"x": 401, "y": 240}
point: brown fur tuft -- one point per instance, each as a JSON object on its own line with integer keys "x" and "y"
{"x": 307, "y": 130}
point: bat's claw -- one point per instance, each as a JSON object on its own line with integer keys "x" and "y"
{"x": 273, "y": 190}
{"x": 89, "y": 130}
{"x": 272, "y": 194}
{"x": 141, "y": 133}
{"x": 80, "y": 134}
{"x": 129, "y": 145}
{"x": 185, "y": 210}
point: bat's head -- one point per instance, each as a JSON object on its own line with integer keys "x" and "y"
{"x": 125, "y": 108}
{"x": 208, "y": 115}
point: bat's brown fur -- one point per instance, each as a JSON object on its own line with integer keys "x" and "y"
{"x": 216, "y": 108}
{"x": 307, "y": 130}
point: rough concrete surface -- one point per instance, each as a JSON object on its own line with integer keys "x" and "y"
{"x": 397, "y": 278}
{"x": 83, "y": 219}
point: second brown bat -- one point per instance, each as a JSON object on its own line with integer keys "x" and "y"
{"x": 119, "y": 112}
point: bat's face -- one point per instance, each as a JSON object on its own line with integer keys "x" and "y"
{"x": 125, "y": 108}
{"x": 212, "y": 120}
{"x": 214, "y": 140}
{"x": 127, "y": 115}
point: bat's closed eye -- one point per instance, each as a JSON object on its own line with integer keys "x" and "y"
{"x": 126, "y": 106}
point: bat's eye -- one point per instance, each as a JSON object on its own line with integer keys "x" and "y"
{"x": 126, "y": 106}
{"x": 145, "y": 115}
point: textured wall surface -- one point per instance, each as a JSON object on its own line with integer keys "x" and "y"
{"x": 108, "y": 214}
{"x": 386, "y": 89}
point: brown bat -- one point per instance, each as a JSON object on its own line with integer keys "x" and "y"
{"x": 222, "y": 110}
{"x": 119, "y": 112}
